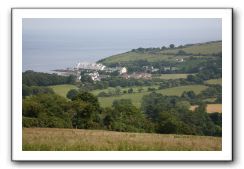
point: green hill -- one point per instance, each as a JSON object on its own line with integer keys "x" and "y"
{"x": 170, "y": 55}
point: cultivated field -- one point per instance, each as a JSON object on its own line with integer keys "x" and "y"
{"x": 52, "y": 139}
{"x": 172, "y": 76}
{"x": 211, "y": 108}
{"x": 214, "y": 81}
{"x": 62, "y": 90}
{"x": 137, "y": 97}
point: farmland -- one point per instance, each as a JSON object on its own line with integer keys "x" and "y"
{"x": 53, "y": 139}
{"x": 166, "y": 55}
{"x": 211, "y": 108}
{"x": 172, "y": 76}
{"x": 214, "y": 81}
{"x": 136, "y": 97}
{"x": 62, "y": 90}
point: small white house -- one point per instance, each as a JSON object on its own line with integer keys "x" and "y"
{"x": 123, "y": 70}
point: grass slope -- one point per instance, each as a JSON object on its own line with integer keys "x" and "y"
{"x": 137, "y": 97}
{"x": 166, "y": 55}
{"x": 62, "y": 90}
{"x": 51, "y": 139}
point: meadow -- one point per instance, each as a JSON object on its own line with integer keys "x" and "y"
{"x": 172, "y": 76}
{"x": 214, "y": 81}
{"x": 167, "y": 54}
{"x": 211, "y": 108}
{"x": 62, "y": 90}
{"x": 137, "y": 97}
{"x": 54, "y": 139}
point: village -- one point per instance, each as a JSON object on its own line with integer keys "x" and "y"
{"x": 98, "y": 71}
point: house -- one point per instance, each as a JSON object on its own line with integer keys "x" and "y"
{"x": 123, "y": 70}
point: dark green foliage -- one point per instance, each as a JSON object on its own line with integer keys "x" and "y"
{"x": 31, "y": 78}
{"x": 85, "y": 111}
{"x": 171, "y": 46}
{"x": 34, "y": 90}
{"x": 125, "y": 117}
{"x": 86, "y": 79}
{"x": 172, "y": 115}
{"x": 216, "y": 118}
{"x": 72, "y": 94}
{"x": 130, "y": 90}
{"x": 47, "y": 110}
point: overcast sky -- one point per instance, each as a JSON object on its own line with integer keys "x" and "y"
{"x": 167, "y": 29}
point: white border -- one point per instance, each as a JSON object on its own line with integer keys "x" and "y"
{"x": 19, "y": 155}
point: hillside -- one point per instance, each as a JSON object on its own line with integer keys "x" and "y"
{"x": 53, "y": 139}
{"x": 170, "y": 55}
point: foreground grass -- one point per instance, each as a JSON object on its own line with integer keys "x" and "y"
{"x": 51, "y": 139}
{"x": 136, "y": 98}
{"x": 62, "y": 90}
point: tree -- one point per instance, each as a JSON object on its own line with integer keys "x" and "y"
{"x": 85, "y": 110}
{"x": 117, "y": 90}
{"x": 72, "y": 94}
{"x": 163, "y": 48}
{"x": 171, "y": 46}
{"x": 86, "y": 79}
{"x": 130, "y": 90}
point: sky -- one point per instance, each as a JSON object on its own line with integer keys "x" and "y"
{"x": 51, "y": 43}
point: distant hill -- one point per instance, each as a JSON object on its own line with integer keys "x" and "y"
{"x": 166, "y": 54}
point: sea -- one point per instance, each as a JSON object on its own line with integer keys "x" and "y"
{"x": 49, "y": 55}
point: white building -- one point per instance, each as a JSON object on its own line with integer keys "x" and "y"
{"x": 90, "y": 66}
{"x": 94, "y": 76}
{"x": 123, "y": 70}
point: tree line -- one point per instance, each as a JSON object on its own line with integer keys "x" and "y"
{"x": 158, "y": 114}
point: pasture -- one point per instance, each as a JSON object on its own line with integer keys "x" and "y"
{"x": 62, "y": 90}
{"x": 211, "y": 108}
{"x": 53, "y": 139}
{"x": 214, "y": 81}
{"x": 172, "y": 76}
{"x": 137, "y": 97}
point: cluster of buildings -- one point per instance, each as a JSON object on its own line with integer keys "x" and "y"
{"x": 136, "y": 75}
{"x": 93, "y": 69}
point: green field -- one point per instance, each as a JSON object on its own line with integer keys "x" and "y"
{"x": 166, "y": 55}
{"x": 137, "y": 97}
{"x": 205, "y": 48}
{"x": 62, "y": 90}
{"x": 214, "y": 81}
{"x": 135, "y": 89}
{"x": 172, "y": 76}
{"x": 53, "y": 139}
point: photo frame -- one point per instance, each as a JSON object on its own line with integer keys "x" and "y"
{"x": 18, "y": 14}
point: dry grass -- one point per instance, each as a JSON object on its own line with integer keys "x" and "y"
{"x": 50, "y": 139}
{"x": 211, "y": 108}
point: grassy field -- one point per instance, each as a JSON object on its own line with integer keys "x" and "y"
{"x": 214, "y": 81}
{"x": 211, "y": 108}
{"x": 62, "y": 90}
{"x": 135, "y": 89}
{"x": 172, "y": 76}
{"x": 205, "y": 48}
{"x": 137, "y": 97}
{"x": 166, "y": 55}
{"x": 52, "y": 139}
